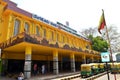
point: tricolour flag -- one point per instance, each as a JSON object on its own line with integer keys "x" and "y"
{"x": 102, "y": 23}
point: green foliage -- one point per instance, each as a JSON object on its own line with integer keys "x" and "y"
{"x": 98, "y": 43}
{"x": 90, "y": 37}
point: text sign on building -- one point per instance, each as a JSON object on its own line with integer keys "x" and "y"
{"x": 105, "y": 56}
{"x": 34, "y": 16}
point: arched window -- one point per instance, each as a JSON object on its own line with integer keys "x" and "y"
{"x": 44, "y": 33}
{"x": 52, "y": 35}
{"x": 16, "y": 27}
{"x": 37, "y": 31}
{"x": 63, "y": 39}
{"x": 27, "y": 27}
{"x": 58, "y": 37}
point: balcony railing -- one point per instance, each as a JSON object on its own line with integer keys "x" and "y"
{"x": 34, "y": 39}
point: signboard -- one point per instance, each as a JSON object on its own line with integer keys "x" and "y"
{"x": 105, "y": 56}
{"x": 34, "y": 16}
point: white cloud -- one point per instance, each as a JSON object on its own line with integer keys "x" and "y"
{"x": 81, "y": 14}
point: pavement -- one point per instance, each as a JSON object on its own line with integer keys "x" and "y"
{"x": 47, "y": 76}
{"x": 68, "y": 77}
{"x": 111, "y": 77}
{"x": 64, "y": 76}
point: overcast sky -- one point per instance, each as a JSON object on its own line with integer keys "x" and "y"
{"x": 81, "y": 14}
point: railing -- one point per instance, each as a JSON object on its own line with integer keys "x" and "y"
{"x": 32, "y": 38}
{"x": 12, "y": 41}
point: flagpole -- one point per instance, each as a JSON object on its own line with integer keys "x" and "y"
{"x": 109, "y": 43}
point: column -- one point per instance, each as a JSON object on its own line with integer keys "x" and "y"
{"x": 84, "y": 59}
{"x": 48, "y": 65}
{"x": 1, "y": 20}
{"x": 0, "y": 67}
{"x": 4, "y": 66}
{"x": 0, "y": 62}
{"x": 10, "y": 21}
{"x": 22, "y": 26}
{"x": 92, "y": 59}
{"x": 72, "y": 58}
{"x": 55, "y": 62}
{"x": 61, "y": 64}
{"x": 97, "y": 60}
{"x": 27, "y": 65}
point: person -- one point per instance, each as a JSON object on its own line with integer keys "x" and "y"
{"x": 35, "y": 69}
{"x": 21, "y": 76}
{"x": 38, "y": 71}
{"x": 43, "y": 69}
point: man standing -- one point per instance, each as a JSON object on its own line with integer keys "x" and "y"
{"x": 35, "y": 69}
{"x": 43, "y": 69}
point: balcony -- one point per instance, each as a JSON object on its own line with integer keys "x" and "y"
{"x": 34, "y": 39}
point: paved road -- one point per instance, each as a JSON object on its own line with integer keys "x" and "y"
{"x": 48, "y": 76}
{"x": 104, "y": 77}
{"x": 111, "y": 76}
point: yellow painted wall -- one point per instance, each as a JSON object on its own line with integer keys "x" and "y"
{"x": 7, "y": 31}
{"x": 42, "y": 57}
{"x": 13, "y": 56}
{"x": 2, "y": 30}
{"x": 21, "y": 56}
{"x": 64, "y": 37}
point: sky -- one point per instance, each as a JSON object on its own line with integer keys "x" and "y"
{"x": 81, "y": 14}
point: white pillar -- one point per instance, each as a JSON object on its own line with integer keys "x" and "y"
{"x": 92, "y": 59}
{"x": 27, "y": 65}
{"x": 72, "y": 58}
{"x": 55, "y": 62}
{"x": 84, "y": 59}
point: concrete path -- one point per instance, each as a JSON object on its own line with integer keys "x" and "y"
{"x": 45, "y": 77}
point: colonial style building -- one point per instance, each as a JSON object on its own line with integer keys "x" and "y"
{"x": 27, "y": 39}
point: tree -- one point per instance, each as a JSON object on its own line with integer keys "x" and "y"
{"x": 88, "y": 32}
{"x": 99, "y": 44}
{"x": 114, "y": 36}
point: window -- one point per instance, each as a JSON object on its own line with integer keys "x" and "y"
{"x": 72, "y": 42}
{"x": 16, "y": 27}
{"x": 52, "y": 35}
{"x": 63, "y": 39}
{"x": 67, "y": 40}
{"x": 57, "y": 37}
{"x": 26, "y": 27}
{"x": 37, "y": 31}
{"x": 87, "y": 46}
{"x": 44, "y": 32}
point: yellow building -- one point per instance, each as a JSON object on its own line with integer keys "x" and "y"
{"x": 27, "y": 39}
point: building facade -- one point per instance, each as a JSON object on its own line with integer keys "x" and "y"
{"x": 27, "y": 39}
